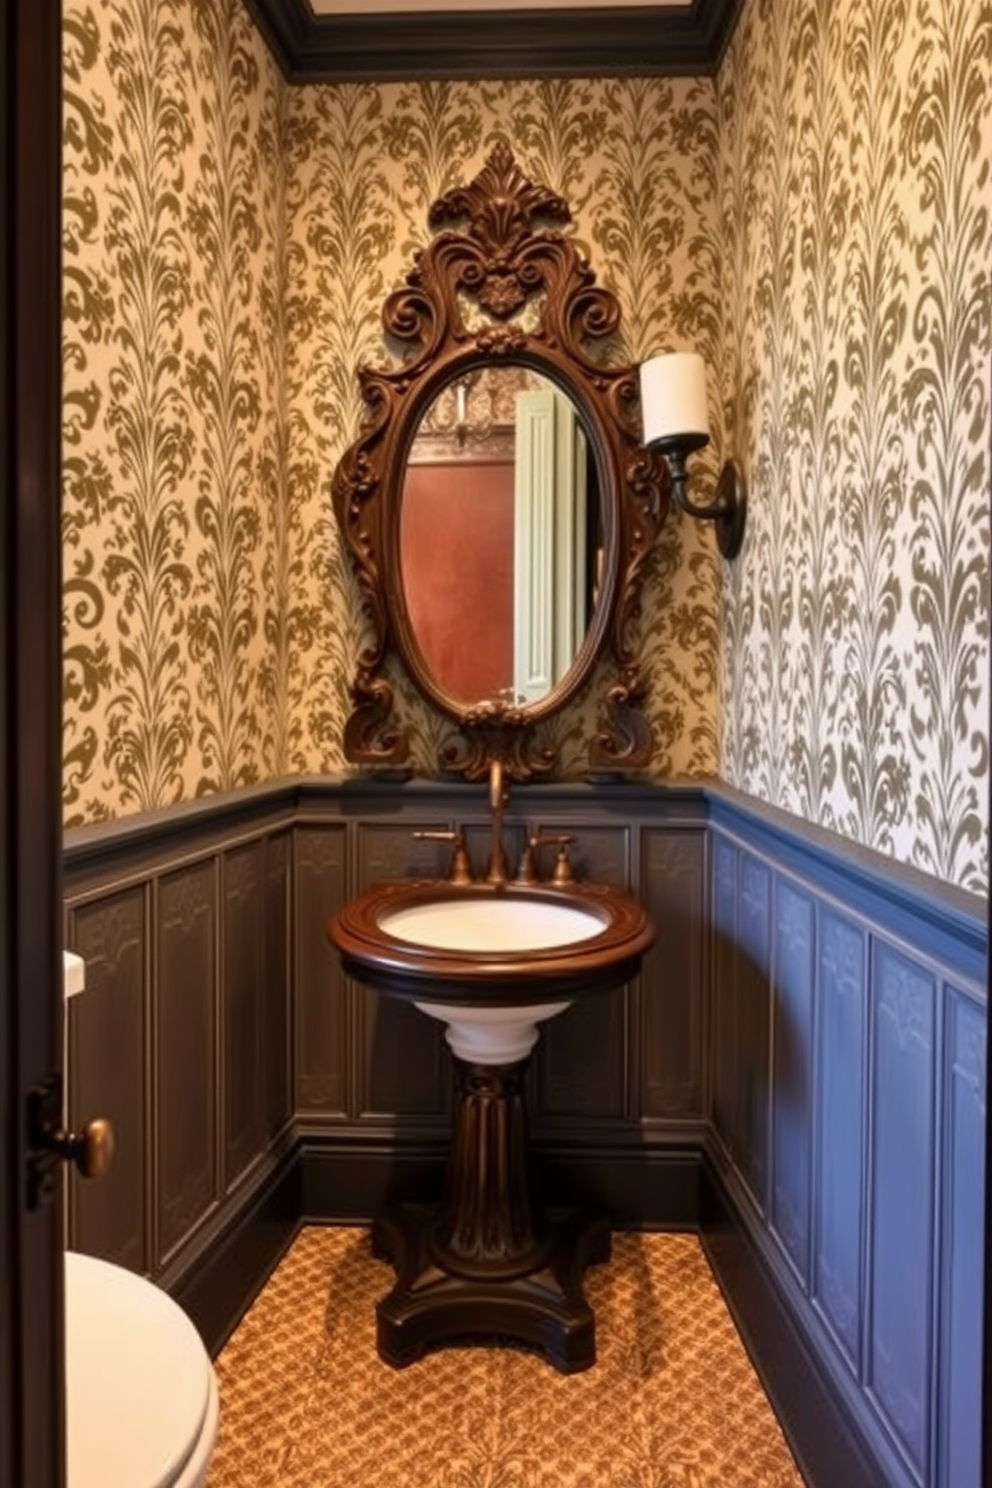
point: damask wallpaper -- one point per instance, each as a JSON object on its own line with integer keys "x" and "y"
{"x": 174, "y": 529}
{"x": 856, "y": 229}
{"x": 637, "y": 163}
{"x": 816, "y": 221}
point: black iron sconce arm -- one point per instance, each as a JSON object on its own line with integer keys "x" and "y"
{"x": 728, "y": 508}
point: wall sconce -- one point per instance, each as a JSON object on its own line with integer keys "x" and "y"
{"x": 676, "y": 422}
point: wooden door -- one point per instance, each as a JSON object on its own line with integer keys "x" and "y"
{"x": 31, "y": 1350}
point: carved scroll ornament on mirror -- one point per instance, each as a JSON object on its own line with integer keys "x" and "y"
{"x": 504, "y": 416}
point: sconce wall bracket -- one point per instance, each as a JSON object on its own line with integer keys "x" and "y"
{"x": 727, "y": 510}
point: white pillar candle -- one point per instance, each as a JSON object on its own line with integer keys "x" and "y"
{"x": 673, "y": 396}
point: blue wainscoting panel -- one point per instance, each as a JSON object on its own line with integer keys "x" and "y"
{"x": 959, "y": 1390}
{"x": 724, "y": 999}
{"x": 901, "y": 1235}
{"x": 792, "y": 1071}
{"x": 839, "y": 1129}
{"x": 875, "y": 979}
{"x": 754, "y": 1024}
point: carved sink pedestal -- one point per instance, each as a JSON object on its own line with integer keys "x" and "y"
{"x": 490, "y": 1261}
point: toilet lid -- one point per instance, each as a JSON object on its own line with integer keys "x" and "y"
{"x": 137, "y": 1379}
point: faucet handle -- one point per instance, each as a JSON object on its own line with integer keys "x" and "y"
{"x": 527, "y": 872}
{"x": 460, "y": 871}
{"x": 563, "y": 873}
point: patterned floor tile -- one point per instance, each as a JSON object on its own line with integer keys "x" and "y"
{"x": 672, "y": 1401}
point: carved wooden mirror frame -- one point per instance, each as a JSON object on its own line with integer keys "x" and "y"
{"x": 501, "y": 255}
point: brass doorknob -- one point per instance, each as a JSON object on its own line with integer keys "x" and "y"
{"x": 91, "y": 1149}
{"x": 95, "y": 1148}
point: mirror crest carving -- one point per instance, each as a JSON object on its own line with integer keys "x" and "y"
{"x": 500, "y": 284}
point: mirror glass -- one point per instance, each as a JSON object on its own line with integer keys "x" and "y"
{"x": 500, "y": 538}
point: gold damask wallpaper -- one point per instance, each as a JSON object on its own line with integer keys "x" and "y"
{"x": 174, "y": 523}
{"x": 816, "y": 221}
{"x": 637, "y": 163}
{"x": 229, "y": 244}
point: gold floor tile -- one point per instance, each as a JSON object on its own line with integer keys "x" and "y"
{"x": 672, "y": 1401}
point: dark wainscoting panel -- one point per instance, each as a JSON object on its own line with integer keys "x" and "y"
{"x": 184, "y": 1082}
{"x": 217, "y": 1017}
{"x": 583, "y": 1065}
{"x": 182, "y": 1034}
{"x": 402, "y": 1070}
{"x": 276, "y": 1014}
{"x": 108, "y": 1073}
{"x": 319, "y": 996}
{"x": 848, "y": 1127}
{"x": 800, "y": 1070}
{"x": 255, "y": 990}
{"x": 243, "y": 994}
{"x": 672, "y": 1002}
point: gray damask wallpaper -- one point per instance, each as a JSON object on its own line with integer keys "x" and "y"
{"x": 816, "y": 221}
{"x": 856, "y": 228}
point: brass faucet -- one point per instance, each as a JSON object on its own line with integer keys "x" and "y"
{"x": 499, "y": 793}
{"x": 460, "y": 871}
{"x": 527, "y": 872}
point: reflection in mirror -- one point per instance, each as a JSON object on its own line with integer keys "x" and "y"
{"x": 500, "y": 535}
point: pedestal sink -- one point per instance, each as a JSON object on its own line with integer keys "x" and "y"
{"x": 492, "y": 962}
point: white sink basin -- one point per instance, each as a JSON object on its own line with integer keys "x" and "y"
{"x": 496, "y": 925}
{"x": 492, "y": 926}
{"x": 490, "y": 964}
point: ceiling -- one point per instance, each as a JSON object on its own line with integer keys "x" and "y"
{"x": 403, "y": 40}
{"x": 366, "y": 7}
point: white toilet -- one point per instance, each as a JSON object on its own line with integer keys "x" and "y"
{"x": 141, "y": 1394}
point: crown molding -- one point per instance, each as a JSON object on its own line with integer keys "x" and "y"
{"x": 641, "y": 41}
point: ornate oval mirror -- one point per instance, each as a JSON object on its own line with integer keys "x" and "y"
{"x": 498, "y": 506}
